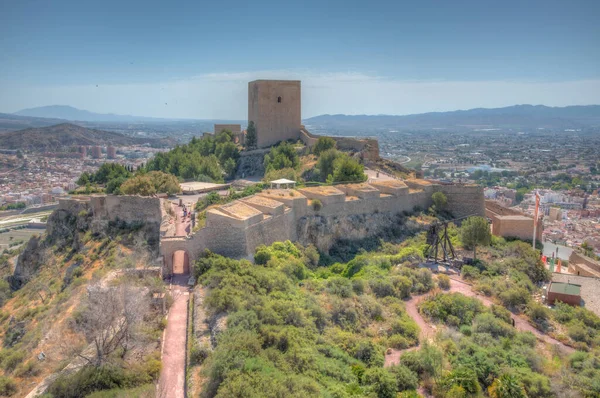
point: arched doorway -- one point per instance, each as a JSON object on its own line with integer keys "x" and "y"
{"x": 181, "y": 263}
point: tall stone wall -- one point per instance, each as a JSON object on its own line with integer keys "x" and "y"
{"x": 584, "y": 266}
{"x": 348, "y": 218}
{"x": 127, "y": 208}
{"x": 464, "y": 200}
{"x": 234, "y": 128}
{"x": 275, "y": 108}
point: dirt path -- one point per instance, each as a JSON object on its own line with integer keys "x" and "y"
{"x": 172, "y": 382}
{"x": 428, "y": 331}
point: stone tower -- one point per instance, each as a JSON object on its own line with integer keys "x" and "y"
{"x": 275, "y": 108}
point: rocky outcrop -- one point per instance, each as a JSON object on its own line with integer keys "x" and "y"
{"x": 28, "y": 262}
{"x": 324, "y": 232}
{"x": 251, "y": 163}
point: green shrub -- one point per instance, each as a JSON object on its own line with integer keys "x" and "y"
{"x": 537, "y": 312}
{"x": 358, "y": 286}
{"x": 199, "y": 354}
{"x": 316, "y": 204}
{"x": 340, "y": 286}
{"x": 469, "y": 272}
{"x": 406, "y": 379}
{"x": 262, "y": 256}
{"x": 29, "y": 368}
{"x": 88, "y": 380}
{"x": 441, "y": 306}
{"x": 77, "y": 272}
{"x": 11, "y": 358}
{"x": 443, "y": 281}
{"x": 381, "y": 382}
{"x": 399, "y": 342}
{"x": 7, "y": 386}
{"x": 488, "y": 323}
{"x": 514, "y": 296}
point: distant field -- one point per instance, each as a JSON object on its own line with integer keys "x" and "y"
{"x": 18, "y": 235}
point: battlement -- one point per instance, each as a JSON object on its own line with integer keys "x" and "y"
{"x": 349, "y": 211}
{"x": 282, "y": 214}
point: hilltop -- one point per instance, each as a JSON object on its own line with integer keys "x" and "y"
{"x": 66, "y": 134}
{"x": 517, "y": 116}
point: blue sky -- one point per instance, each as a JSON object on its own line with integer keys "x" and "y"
{"x": 395, "y": 57}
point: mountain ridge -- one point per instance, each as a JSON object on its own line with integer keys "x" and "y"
{"x": 68, "y": 112}
{"x": 515, "y": 116}
{"x": 58, "y": 136}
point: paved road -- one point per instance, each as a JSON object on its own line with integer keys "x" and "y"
{"x": 563, "y": 251}
{"x": 172, "y": 376}
{"x": 428, "y": 331}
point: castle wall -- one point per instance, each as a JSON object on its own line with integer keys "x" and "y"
{"x": 234, "y": 128}
{"x": 275, "y": 108}
{"x": 584, "y": 266}
{"x": 464, "y": 200}
{"x": 236, "y": 229}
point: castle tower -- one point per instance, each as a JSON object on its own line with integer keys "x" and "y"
{"x": 275, "y": 108}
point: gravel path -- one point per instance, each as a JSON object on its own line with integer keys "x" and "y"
{"x": 428, "y": 331}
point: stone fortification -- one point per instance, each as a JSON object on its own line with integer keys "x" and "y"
{"x": 353, "y": 211}
{"x": 275, "y": 108}
{"x": 512, "y": 223}
{"x": 583, "y": 265}
{"x": 367, "y": 148}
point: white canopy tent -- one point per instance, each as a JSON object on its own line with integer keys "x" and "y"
{"x": 283, "y": 183}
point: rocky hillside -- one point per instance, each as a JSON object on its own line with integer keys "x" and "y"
{"x": 57, "y": 137}
{"x": 70, "y": 286}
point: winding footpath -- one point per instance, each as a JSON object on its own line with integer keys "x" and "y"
{"x": 428, "y": 331}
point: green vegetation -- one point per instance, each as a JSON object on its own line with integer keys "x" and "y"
{"x": 297, "y": 330}
{"x": 13, "y": 206}
{"x": 151, "y": 183}
{"x": 208, "y": 159}
{"x": 323, "y": 144}
{"x": 475, "y": 231}
{"x": 107, "y": 377}
{"x": 299, "y": 324}
{"x": 251, "y": 137}
{"x": 110, "y": 175}
{"x": 335, "y": 166}
{"x": 282, "y": 156}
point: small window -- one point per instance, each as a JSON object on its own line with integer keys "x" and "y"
{"x": 278, "y": 99}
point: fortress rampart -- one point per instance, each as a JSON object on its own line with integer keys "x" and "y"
{"x": 353, "y": 211}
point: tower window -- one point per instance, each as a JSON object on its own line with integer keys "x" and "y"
{"x": 278, "y": 99}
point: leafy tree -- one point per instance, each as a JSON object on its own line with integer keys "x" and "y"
{"x": 475, "y": 231}
{"x": 439, "y": 200}
{"x": 281, "y": 156}
{"x": 381, "y": 382}
{"x": 288, "y": 172}
{"x": 323, "y": 144}
{"x": 151, "y": 183}
{"x": 325, "y": 164}
{"x": 506, "y": 386}
{"x": 251, "y": 137}
{"x": 335, "y": 166}
{"x": 347, "y": 169}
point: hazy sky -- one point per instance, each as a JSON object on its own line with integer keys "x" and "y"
{"x": 393, "y": 57}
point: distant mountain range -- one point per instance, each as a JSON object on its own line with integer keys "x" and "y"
{"x": 60, "y": 136}
{"x": 517, "y": 117}
{"x": 69, "y": 113}
{"x": 511, "y": 117}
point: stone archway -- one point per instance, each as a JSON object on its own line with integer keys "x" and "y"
{"x": 177, "y": 254}
{"x": 180, "y": 261}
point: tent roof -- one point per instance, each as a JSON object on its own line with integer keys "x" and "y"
{"x": 283, "y": 181}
